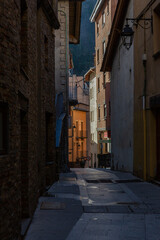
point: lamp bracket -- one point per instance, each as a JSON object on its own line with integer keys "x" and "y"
{"x": 136, "y": 21}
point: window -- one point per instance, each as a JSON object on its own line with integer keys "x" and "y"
{"x": 3, "y": 128}
{"x": 106, "y": 149}
{"x": 109, "y": 108}
{"x": 104, "y": 80}
{"x": 105, "y": 110}
{"x": 98, "y": 56}
{"x": 103, "y": 19}
{"x": 98, "y": 84}
{"x": 77, "y": 128}
{"x": 99, "y": 113}
{"x": 92, "y": 116}
{"x": 108, "y": 7}
{"x": 156, "y": 26}
{"x": 82, "y": 134}
{"x": 97, "y": 28}
{"x": 103, "y": 47}
{"x": 46, "y": 51}
{"x": 24, "y": 36}
{"x": 92, "y": 137}
{"x": 82, "y": 149}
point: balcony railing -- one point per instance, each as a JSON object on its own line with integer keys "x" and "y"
{"x": 81, "y": 134}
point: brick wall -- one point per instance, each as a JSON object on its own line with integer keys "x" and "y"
{"x": 27, "y": 86}
{"x": 104, "y": 31}
{"x": 103, "y": 89}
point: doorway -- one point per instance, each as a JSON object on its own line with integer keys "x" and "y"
{"x": 158, "y": 144}
{"x": 24, "y": 164}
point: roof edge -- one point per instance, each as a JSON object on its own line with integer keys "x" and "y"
{"x": 96, "y": 10}
{"x": 49, "y": 13}
{"x": 115, "y": 34}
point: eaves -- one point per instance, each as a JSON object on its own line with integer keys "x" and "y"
{"x": 49, "y": 13}
{"x": 96, "y": 10}
{"x": 115, "y": 35}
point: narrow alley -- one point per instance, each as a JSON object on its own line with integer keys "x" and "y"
{"x": 97, "y": 204}
{"x": 79, "y": 120}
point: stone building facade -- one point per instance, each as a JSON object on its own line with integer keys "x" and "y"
{"x": 27, "y": 114}
{"x": 69, "y": 15}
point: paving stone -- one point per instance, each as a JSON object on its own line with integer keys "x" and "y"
{"x": 95, "y": 214}
{"x": 94, "y": 209}
{"x": 118, "y": 209}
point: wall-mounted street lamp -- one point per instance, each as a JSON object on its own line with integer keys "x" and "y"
{"x": 128, "y": 33}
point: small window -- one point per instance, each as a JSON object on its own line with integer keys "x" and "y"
{"x": 98, "y": 84}
{"x": 108, "y": 7}
{"x": 103, "y": 47}
{"x": 98, "y": 56}
{"x": 104, "y": 80}
{"x": 82, "y": 133}
{"x": 97, "y": 28}
{"x": 106, "y": 148}
{"x": 103, "y": 19}
{"x": 24, "y": 36}
{"x": 99, "y": 113}
{"x": 92, "y": 116}
{"x": 77, "y": 128}
{"x": 109, "y": 108}
{"x": 46, "y": 51}
{"x": 105, "y": 110}
{"x": 3, "y": 128}
{"x": 92, "y": 137}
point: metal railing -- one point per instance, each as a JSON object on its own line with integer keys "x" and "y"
{"x": 81, "y": 134}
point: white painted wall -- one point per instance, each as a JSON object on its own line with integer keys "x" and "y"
{"x": 122, "y": 105}
{"x": 93, "y": 124}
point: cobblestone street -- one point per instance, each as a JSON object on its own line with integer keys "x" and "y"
{"x": 98, "y": 204}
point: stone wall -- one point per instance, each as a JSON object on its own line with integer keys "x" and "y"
{"x": 62, "y": 48}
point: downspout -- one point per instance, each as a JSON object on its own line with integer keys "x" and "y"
{"x": 67, "y": 85}
{"x": 144, "y": 58}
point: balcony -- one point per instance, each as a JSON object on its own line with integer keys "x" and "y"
{"x": 73, "y": 95}
{"x": 81, "y": 134}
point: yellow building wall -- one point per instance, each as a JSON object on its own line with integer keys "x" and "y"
{"x": 149, "y": 39}
{"x": 77, "y": 140}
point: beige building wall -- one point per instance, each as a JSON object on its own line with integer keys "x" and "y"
{"x": 101, "y": 38}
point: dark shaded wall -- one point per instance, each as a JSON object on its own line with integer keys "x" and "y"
{"x": 83, "y": 53}
{"x": 27, "y": 95}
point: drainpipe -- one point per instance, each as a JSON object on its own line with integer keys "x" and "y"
{"x": 67, "y": 88}
{"x": 144, "y": 58}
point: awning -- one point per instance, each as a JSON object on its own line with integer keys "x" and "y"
{"x": 59, "y": 125}
{"x": 105, "y": 141}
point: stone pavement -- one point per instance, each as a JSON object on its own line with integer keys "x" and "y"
{"x": 98, "y": 204}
